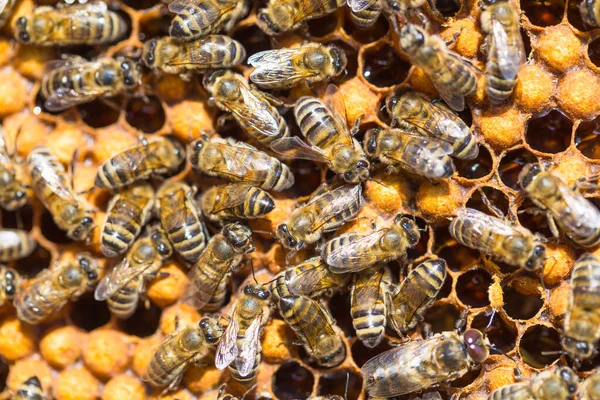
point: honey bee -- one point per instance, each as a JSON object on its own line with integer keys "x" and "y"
{"x": 240, "y": 347}
{"x": 411, "y": 111}
{"x": 420, "y": 364}
{"x": 590, "y": 12}
{"x": 418, "y": 154}
{"x": 123, "y": 286}
{"x": 353, "y": 252}
{"x": 416, "y": 293}
{"x": 250, "y": 107}
{"x": 572, "y": 212}
{"x": 312, "y": 323}
{"x": 559, "y": 384}
{"x": 369, "y": 304}
{"x": 514, "y": 245}
{"x": 504, "y": 48}
{"x": 15, "y": 244}
{"x": 590, "y": 388}
{"x": 160, "y": 156}
{"x": 364, "y": 13}
{"x": 224, "y": 252}
{"x": 6, "y": 9}
{"x": 187, "y": 345}
{"x": 9, "y": 284}
{"x": 172, "y": 56}
{"x": 582, "y": 319}
{"x": 50, "y": 183}
{"x": 52, "y": 288}
{"x": 13, "y": 192}
{"x": 239, "y": 162}
{"x": 325, "y": 211}
{"x": 31, "y": 389}
{"x": 329, "y": 139}
{"x": 73, "y": 80}
{"x": 196, "y": 19}
{"x": 67, "y": 25}
{"x": 284, "y": 68}
{"x": 452, "y": 76}
{"x": 128, "y": 211}
{"x": 181, "y": 221}
{"x": 235, "y": 201}
{"x": 280, "y": 16}
{"x": 312, "y": 278}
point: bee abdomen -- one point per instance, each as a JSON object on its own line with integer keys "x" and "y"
{"x": 32, "y": 308}
{"x": 31, "y": 389}
{"x": 160, "y": 373}
{"x": 220, "y": 294}
{"x": 497, "y": 87}
{"x": 111, "y": 177}
{"x": 367, "y": 17}
{"x": 235, "y": 373}
{"x": 15, "y": 244}
{"x": 124, "y": 303}
{"x": 192, "y": 21}
{"x": 315, "y": 121}
{"x": 118, "y": 235}
{"x": 279, "y": 179}
{"x": 189, "y": 240}
{"x": 587, "y": 240}
{"x": 462, "y": 229}
{"x": 259, "y": 203}
{"x": 369, "y": 323}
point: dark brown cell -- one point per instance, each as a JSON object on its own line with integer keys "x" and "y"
{"x": 511, "y": 165}
{"x": 549, "y": 133}
{"x": 540, "y": 346}
{"x": 442, "y": 317}
{"x": 100, "y": 113}
{"x": 143, "y": 322}
{"x": 502, "y": 335}
{"x": 292, "y": 381}
{"x": 476, "y": 168}
{"x": 521, "y": 306}
{"x": 472, "y": 288}
{"x": 89, "y": 314}
{"x": 383, "y": 67}
{"x": 587, "y": 138}
{"x": 145, "y": 114}
{"x": 334, "y": 383}
{"x": 543, "y": 13}
{"x": 495, "y": 196}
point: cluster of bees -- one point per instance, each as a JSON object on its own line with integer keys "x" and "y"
{"x": 145, "y": 225}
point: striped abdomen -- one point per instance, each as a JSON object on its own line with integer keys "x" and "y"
{"x": 15, "y": 244}
{"x": 165, "y": 366}
{"x": 465, "y": 228}
{"x": 318, "y": 7}
{"x": 424, "y": 156}
{"x": 214, "y": 51}
{"x": 31, "y": 389}
{"x": 236, "y": 201}
{"x": 585, "y": 300}
{"x": 368, "y": 307}
{"x": 516, "y": 391}
{"x": 367, "y": 17}
{"x": 220, "y": 294}
{"x": 497, "y": 86}
{"x": 124, "y": 302}
{"x": 233, "y": 371}
{"x": 33, "y": 304}
{"x": 316, "y": 122}
{"x": 195, "y": 19}
{"x": 94, "y": 28}
{"x": 454, "y": 74}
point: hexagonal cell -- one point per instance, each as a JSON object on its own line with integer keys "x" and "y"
{"x": 477, "y": 168}
{"x": 35, "y": 263}
{"x": 549, "y": 133}
{"x": 543, "y": 13}
{"x": 520, "y": 305}
{"x": 361, "y": 353}
{"x": 472, "y": 288}
{"x": 495, "y": 196}
{"x": 535, "y": 222}
{"x": 448, "y": 8}
{"x": 511, "y": 165}
{"x": 141, "y": 4}
{"x": 587, "y": 138}
{"x": 335, "y": 384}
{"x": 442, "y": 317}
{"x": 155, "y": 27}
{"x": 145, "y": 114}
{"x": 19, "y": 219}
{"x": 594, "y": 52}
{"x": 89, "y": 314}
{"x": 368, "y": 35}
{"x": 540, "y": 346}
{"x": 292, "y": 381}
{"x": 143, "y": 323}
{"x": 383, "y": 67}
{"x": 501, "y": 334}
{"x": 100, "y": 113}
{"x": 323, "y": 26}
{"x": 253, "y": 39}
{"x": 457, "y": 256}
{"x": 52, "y": 232}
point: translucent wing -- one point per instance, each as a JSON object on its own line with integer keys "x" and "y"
{"x": 138, "y": 158}
{"x": 455, "y": 100}
{"x": 181, "y": 212}
{"x": 54, "y": 179}
{"x": 79, "y": 10}
{"x": 483, "y": 225}
{"x": 293, "y": 146}
{"x": 258, "y": 114}
{"x": 120, "y": 276}
{"x": 3, "y": 4}
{"x": 249, "y": 348}
{"x": 364, "y": 292}
{"x": 65, "y": 61}
{"x": 584, "y": 218}
{"x": 231, "y": 198}
{"x": 334, "y": 100}
{"x": 349, "y": 195}
{"x": 354, "y": 254}
{"x": 228, "y": 349}
{"x": 358, "y": 5}
{"x": 234, "y": 163}
{"x": 509, "y": 57}
{"x": 313, "y": 278}
{"x": 209, "y": 14}
{"x": 276, "y": 66}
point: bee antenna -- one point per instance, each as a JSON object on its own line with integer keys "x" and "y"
{"x": 490, "y": 322}
{"x": 265, "y": 233}
{"x": 381, "y": 183}
{"x": 252, "y": 268}
{"x": 347, "y": 383}
{"x": 250, "y": 389}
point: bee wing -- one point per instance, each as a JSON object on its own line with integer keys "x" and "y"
{"x": 339, "y": 203}
{"x": 509, "y": 57}
{"x": 55, "y": 180}
{"x": 334, "y": 100}
{"x": 120, "y": 276}
{"x": 483, "y": 225}
{"x": 455, "y": 100}
{"x": 356, "y": 250}
{"x": 228, "y": 348}
{"x": 3, "y": 4}
{"x": 256, "y": 114}
{"x": 309, "y": 280}
{"x": 232, "y": 198}
{"x": 234, "y": 164}
{"x": 293, "y": 146}
{"x": 363, "y": 291}
{"x": 585, "y": 214}
{"x": 249, "y": 345}
{"x": 358, "y": 5}
{"x": 276, "y": 66}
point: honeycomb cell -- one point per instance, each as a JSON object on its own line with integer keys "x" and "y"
{"x": 19, "y": 219}
{"x": 334, "y": 383}
{"x": 472, "y": 288}
{"x": 543, "y": 13}
{"x": 339, "y": 305}
{"x": 60, "y": 347}
{"x": 540, "y": 346}
{"x": 476, "y": 168}
{"x": 495, "y": 196}
{"x": 146, "y": 114}
{"x": 253, "y": 39}
{"x": 519, "y": 305}
{"x": 587, "y": 138}
{"x": 535, "y": 222}
{"x": 51, "y": 231}
{"x": 143, "y": 322}
{"x": 559, "y": 47}
{"x": 442, "y": 317}
{"x": 448, "y": 8}
{"x": 594, "y": 52}
{"x": 292, "y": 381}
{"x": 100, "y": 113}
{"x": 141, "y": 4}
{"x": 458, "y": 257}
{"x": 361, "y": 353}
{"x": 579, "y": 93}
{"x": 154, "y": 27}
{"x": 89, "y": 314}
{"x": 383, "y": 67}
{"x": 549, "y": 133}
{"x": 511, "y": 165}
{"x": 322, "y": 26}
{"x": 534, "y": 88}
{"x": 501, "y": 334}
{"x": 369, "y": 35}
{"x": 19, "y": 339}
{"x": 502, "y": 128}
{"x": 38, "y": 260}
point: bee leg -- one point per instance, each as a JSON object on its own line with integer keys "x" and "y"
{"x": 490, "y": 206}
{"x": 552, "y": 226}
{"x": 391, "y": 170}
{"x": 426, "y": 331}
{"x": 461, "y": 322}
{"x": 356, "y": 128}
{"x": 585, "y": 183}
{"x": 173, "y": 385}
{"x": 223, "y": 120}
{"x": 452, "y": 41}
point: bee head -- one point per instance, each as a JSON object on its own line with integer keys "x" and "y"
{"x": 211, "y": 78}
{"x": 528, "y": 174}
{"x": 211, "y": 329}
{"x": 340, "y": 61}
{"x": 256, "y": 290}
{"x": 83, "y": 228}
{"x": 239, "y": 236}
{"x": 10, "y": 283}
{"x": 390, "y": 102}
{"x": 537, "y": 258}
{"x": 130, "y": 71}
{"x": 411, "y": 38}
{"x": 410, "y": 227}
{"x": 90, "y": 266}
{"x": 358, "y": 173}
{"x": 370, "y": 142}
{"x": 21, "y": 33}
{"x": 569, "y": 378}
{"x": 283, "y": 234}
{"x": 148, "y": 52}
{"x": 476, "y": 347}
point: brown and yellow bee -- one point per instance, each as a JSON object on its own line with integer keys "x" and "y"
{"x": 15, "y": 244}
{"x": 196, "y": 19}
{"x": 175, "y": 57}
{"x": 280, "y": 16}
{"x": 312, "y": 278}
{"x": 590, "y": 387}
{"x": 6, "y": 9}
{"x": 561, "y": 383}
{"x": 157, "y": 157}
{"x": 364, "y": 13}
{"x": 235, "y": 201}
{"x": 368, "y": 304}
{"x": 13, "y": 191}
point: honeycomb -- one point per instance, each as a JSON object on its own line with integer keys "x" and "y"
{"x": 84, "y": 353}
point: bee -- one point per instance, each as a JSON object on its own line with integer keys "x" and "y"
{"x": 504, "y": 48}
{"x": 9, "y": 284}
{"x": 123, "y": 286}
{"x": 590, "y": 12}
{"x": 239, "y": 162}
{"x": 590, "y": 388}
{"x": 175, "y": 57}
{"x": 31, "y": 389}
{"x": 160, "y": 156}
{"x": 13, "y": 192}
{"x": 573, "y": 213}
{"x": 312, "y": 323}
{"x": 369, "y": 304}
{"x": 235, "y": 201}
{"x": 250, "y": 107}
{"x": 91, "y": 23}
{"x": 73, "y": 80}
{"x": 411, "y": 111}
{"x": 209, "y": 278}
{"x": 418, "y": 154}
{"x": 452, "y": 76}
{"x": 187, "y": 345}
{"x": 284, "y": 68}
{"x": 364, "y": 13}
{"x": 15, "y": 244}
{"x": 514, "y": 245}
{"x": 196, "y": 19}
{"x": 416, "y": 293}
{"x": 559, "y": 384}
{"x": 312, "y": 278}
{"x": 280, "y": 16}
{"x": 181, "y": 221}
{"x": 325, "y": 211}
{"x": 353, "y": 252}
{"x": 329, "y": 139}
{"x": 50, "y": 183}
{"x": 6, "y": 9}
{"x": 420, "y": 364}
{"x": 128, "y": 211}
{"x": 240, "y": 347}
{"x": 52, "y": 288}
